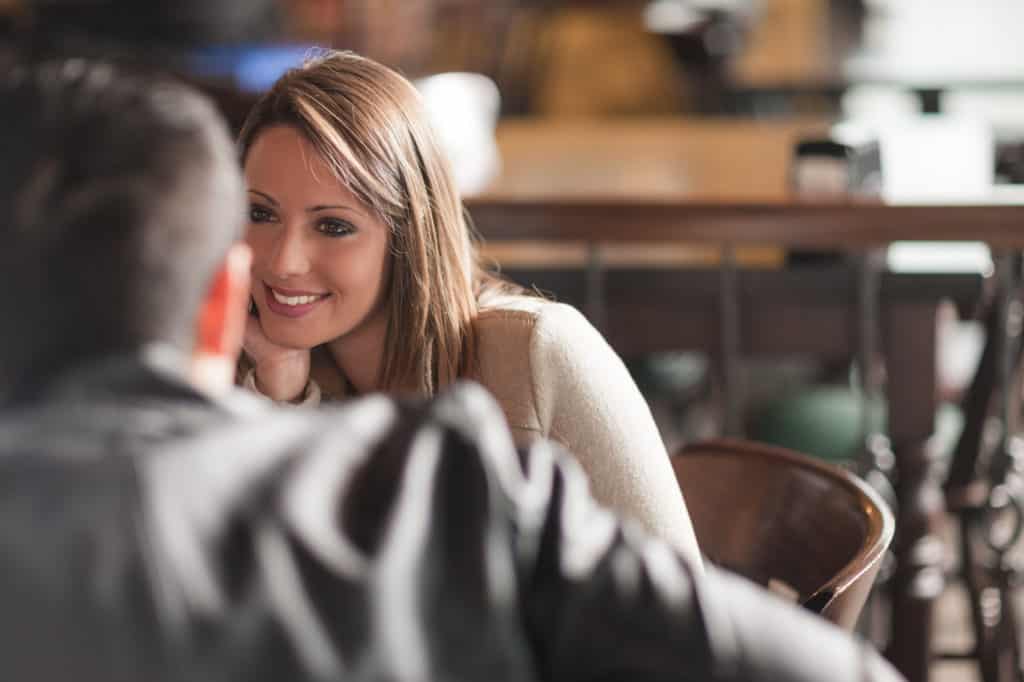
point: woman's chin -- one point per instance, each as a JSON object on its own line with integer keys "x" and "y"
{"x": 292, "y": 342}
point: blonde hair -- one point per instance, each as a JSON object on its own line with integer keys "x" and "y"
{"x": 369, "y": 125}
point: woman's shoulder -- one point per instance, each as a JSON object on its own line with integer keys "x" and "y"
{"x": 526, "y": 352}
{"x": 528, "y": 314}
{"x": 539, "y": 336}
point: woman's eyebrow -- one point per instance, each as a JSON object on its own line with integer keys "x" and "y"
{"x": 312, "y": 209}
{"x": 266, "y": 196}
{"x": 333, "y": 207}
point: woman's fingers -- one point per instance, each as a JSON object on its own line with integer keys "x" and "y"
{"x": 281, "y": 373}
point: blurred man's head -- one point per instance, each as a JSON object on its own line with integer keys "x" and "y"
{"x": 120, "y": 206}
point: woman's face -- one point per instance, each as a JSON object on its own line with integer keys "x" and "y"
{"x": 319, "y": 255}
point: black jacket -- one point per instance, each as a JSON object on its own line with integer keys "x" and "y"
{"x": 150, "y": 534}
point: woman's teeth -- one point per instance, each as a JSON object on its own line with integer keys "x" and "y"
{"x": 294, "y": 300}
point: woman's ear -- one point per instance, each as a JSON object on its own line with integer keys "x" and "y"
{"x": 220, "y": 326}
{"x": 221, "y": 323}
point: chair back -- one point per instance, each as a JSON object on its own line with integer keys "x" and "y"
{"x": 778, "y": 517}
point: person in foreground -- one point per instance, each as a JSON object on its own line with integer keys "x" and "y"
{"x": 157, "y": 528}
{"x": 366, "y": 278}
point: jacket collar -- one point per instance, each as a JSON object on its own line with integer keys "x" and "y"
{"x": 154, "y": 371}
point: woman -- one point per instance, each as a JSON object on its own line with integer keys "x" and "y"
{"x": 365, "y": 278}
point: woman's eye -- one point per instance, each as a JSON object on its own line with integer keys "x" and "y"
{"x": 333, "y": 227}
{"x": 258, "y": 214}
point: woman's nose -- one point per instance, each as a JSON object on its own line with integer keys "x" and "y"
{"x": 289, "y": 257}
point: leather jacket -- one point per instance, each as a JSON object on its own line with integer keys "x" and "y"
{"x": 149, "y": 534}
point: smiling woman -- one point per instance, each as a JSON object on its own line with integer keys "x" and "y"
{"x": 366, "y": 278}
{"x": 320, "y": 274}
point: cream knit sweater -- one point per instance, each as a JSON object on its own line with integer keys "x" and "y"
{"x": 555, "y": 376}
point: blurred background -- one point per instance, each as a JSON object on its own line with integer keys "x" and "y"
{"x": 875, "y": 61}
{"x": 548, "y": 57}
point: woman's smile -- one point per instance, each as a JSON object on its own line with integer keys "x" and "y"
{"x": 291, "y": 303}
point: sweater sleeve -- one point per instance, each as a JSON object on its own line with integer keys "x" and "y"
{"x": 587, "y": 401}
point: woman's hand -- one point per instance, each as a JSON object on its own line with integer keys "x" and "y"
{"x": 281, "y": 373}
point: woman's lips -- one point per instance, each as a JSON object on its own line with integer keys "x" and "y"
{"x": 289, "y": 303}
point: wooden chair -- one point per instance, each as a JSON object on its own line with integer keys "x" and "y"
{"x": 781, "y": 518}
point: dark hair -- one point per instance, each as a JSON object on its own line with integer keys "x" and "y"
{"x": 119, "y": 196}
